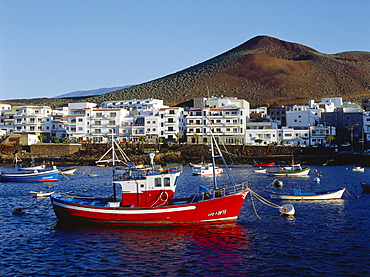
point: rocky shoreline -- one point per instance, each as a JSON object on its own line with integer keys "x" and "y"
{"x": 181, "y": 153}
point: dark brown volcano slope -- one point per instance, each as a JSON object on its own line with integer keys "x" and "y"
{"x": 263, "y": 70}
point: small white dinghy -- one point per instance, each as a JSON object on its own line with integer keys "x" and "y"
{"x": 41, "y": 193}
{"x": 287, "y": 210}
{"x": 358, "y": 169}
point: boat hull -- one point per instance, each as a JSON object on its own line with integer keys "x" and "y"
{"x": 32, "y": 168}
{"x": 68, "y": 171}
{"x": 42, "y": 176}
{"x": 328, "y": 195}
{"x": 264, "y": 165}
{"x": 217, "y": 210}
{"x": 205, "y": 172}
{"x": 301, "y": 172}
{"x": 260, "y": 170}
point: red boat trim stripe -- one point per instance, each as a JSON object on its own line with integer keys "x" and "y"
{"x": 125, "y": 211}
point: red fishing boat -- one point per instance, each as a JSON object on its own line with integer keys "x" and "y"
{"x": 147, "y": 199}
{"x": 264, "y": 165}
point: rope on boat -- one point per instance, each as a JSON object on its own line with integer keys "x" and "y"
{"x": 47, "y": 208}
{"x": 160, "y": 198}
{"x": 266, "y": 202}
{"x": 274, "y": 182}
{"x": 254, "y": 206}
{"x": 65, "y": 176}
{"x": 19, "y": 210}
{"x": 348, "y": 194}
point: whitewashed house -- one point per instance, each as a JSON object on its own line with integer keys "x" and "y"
{"x": 227, "y": 117}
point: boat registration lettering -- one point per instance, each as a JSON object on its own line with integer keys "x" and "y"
{"x": 217, "y": 213}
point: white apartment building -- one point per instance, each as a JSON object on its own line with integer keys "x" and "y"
{"x": 313, "y": 135}
{"x": 3, "y": 109}
{"x": 172, "y": 123}
{"x": 105, "y": 122}
{"x": 302, "y": 116}
{"x": 227, "y": 117}
{"x": 134, "y": 104}
{"x": 284, "y": 135}
{"x": 165, "y": 123}
{"x": 78, "y": 120}
{"x": 31, "y": 119}
{"x": 6, "y": 120}
{"x": 94, "y": 124}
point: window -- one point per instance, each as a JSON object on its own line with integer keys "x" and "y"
{"x": 80, "y": 120}
{"x": 99, "y": 114}
{"x": 166, "y": 182}
{"x": 157, "y": 182}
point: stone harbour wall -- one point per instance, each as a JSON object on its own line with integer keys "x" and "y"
{"x": 54, "y": 149}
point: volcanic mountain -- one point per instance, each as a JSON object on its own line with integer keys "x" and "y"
{"x": 264, "y": 71}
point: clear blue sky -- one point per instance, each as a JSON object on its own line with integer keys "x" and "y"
{"x": 48, "y": 47}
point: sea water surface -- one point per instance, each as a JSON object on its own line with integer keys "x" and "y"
{"x": 324, "y": 238}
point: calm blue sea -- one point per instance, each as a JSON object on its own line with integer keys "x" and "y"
{"x": 324, "y": 238}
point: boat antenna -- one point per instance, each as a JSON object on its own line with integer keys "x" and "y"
{"x": 215, "y": 144}
{"x": 213, "y": 161}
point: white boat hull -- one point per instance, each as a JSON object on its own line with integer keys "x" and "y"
{"x": 288, "y": 173}
{"x": 328, "y": 195}
{"x": 205, "y": 170}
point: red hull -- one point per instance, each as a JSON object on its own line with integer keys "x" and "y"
{"x": 264, "y": 165}
{"x": 217, "y": 210}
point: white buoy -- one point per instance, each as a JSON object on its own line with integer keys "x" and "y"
{"x": 278, "y": 183}
{"x": 317, "y": 180}
{"x": 287, "y": 209}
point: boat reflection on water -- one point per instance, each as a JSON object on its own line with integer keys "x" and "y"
{"x": 185, "y": 250}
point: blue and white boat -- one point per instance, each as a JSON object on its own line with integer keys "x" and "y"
{"x": 51, "y": 175}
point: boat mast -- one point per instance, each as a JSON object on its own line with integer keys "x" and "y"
{"x": 113, "y": 167}
{"x": 213, "y": 162}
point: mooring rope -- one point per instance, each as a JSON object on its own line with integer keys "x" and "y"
{"x": 347, "y": 192}
{"x": 47, "y": 208}
{"x": 254, "y": 206}
{"x": 37, "y": 202}
{"x": 264, "y": 200}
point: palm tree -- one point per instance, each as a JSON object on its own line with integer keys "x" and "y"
{"x": 56, "y": 139}
{"x": 178, "y": 136}
{"x": 196, "y": 137}
{"x": 41, "y": 137}
{"x": 259, "y": 141}
{"x": 329, "y": 138}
